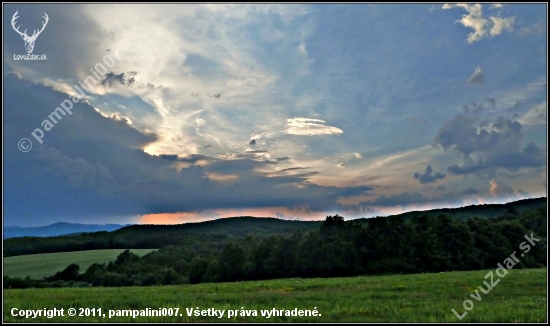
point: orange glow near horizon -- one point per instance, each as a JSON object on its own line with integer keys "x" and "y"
{"x": 302, "y": 213}
{"x": 171, "y": 218}
{"x": 190, "y": 217}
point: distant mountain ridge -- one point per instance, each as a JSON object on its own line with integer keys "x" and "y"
{"x": 57, "y": 229}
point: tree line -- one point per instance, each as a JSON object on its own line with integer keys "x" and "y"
{"x": 208, "y": 235}
{"x": 338, "y": 248}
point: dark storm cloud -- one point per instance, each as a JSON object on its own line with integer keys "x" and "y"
{"x": 190, "y": 158}
{"x": 291, "y": 169}
{"x": 473, "y": 107}
{"x": 90, "y": 165}
{"x": 476, "y": 107}
{"x": 65, "y": 40}
{"x": 170, "y": 157}
{"x": 125, "y": 79}
{"x": 77, "y": 171}
{"x": 428, "y": 177}
{"x": 241, "y": 164}
{"x": 516, "y": 106}
{"x": 349, "y": 191}
{"x": 467, "y": 168}
{"x": 500, "y": 146}
{"x": 492, "y": 102}
{"x": 71, "y": 173}
{"x": 280, "y": 159}
{"x": 470, "y": 191}
{"x": 194, "y": 175}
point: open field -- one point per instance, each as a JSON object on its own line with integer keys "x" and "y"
{"x": 41, "y": 265}
{"x": 519, "y": 296}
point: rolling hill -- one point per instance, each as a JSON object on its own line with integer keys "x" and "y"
{"x": 483, "y": 210}
{"x": 42, "y": 265}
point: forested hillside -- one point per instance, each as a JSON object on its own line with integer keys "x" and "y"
{"x": 194, "y": 236}
{"x": 215, "y": 234}
{"x": 335, "y": 248}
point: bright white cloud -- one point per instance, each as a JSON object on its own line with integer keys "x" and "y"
{"x": 482, "y": 27}
{"x": 501, "y": 24}
{"x": 310, "y": 127}
{"x": 535, "y": 116}
{"x": 473, "y": 20}
{"x": 302, "y": 48}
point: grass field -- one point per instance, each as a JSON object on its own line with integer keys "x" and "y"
{"x": 41, "y": 265}
{"x": 520, "y": 296}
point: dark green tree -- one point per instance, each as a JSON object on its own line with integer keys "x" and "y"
{"x": 197, "y": 270}
{"x": 231, "y": 261}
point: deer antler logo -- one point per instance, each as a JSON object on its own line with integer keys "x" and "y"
{"x": 29, "y": 40}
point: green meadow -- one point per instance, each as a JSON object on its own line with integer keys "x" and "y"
{"x": 42, "y": 265}
{"x": 520, "y": 296}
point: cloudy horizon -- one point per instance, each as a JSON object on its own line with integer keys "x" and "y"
{"x": 271, "y": 110}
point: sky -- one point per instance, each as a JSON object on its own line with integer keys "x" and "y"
{"x": 174, "y": 113}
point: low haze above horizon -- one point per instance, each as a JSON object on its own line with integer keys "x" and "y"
{"x": 174, "y": 113}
